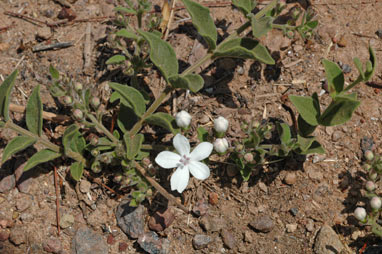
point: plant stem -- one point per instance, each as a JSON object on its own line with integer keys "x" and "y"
{"x": 102, "y": 128}
{"x": 358, "y": 80}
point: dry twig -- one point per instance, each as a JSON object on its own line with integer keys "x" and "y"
{"x": 46, "y": 115}
{"x": 57, "y": 201}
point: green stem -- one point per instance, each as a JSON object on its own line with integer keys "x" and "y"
{"x": 358, "y": 80}
{"x": 102, "y": 128}
{"x": 282, "y": 27}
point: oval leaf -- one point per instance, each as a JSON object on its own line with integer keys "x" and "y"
{"x": 193, "y": 82}
{"x": 54, "y": 72}
{"x": 5, "y": 92}
{"x": 339, "y": 111}
{"x": 16, "y": 145}
{"x": 133, "y": 145}
{"x": 284, "y": 132}
{"x": 41, "y": 157}
{"x": 126, "y": 118}
{"x": 261, "y": 26}
{"x": 202, "y": 21}
{"x": 304, "y": 128}
{"x": 245, "y": 6}
{"x": 358, "y": 65}
{"x": 161, "y": 54}
{"x": 244, "y": 48}
{"x": 76, "y": 170}
{"x": 34, "y": 112}
{"x": 373, "y": 62}
{"x": 116, "y": 59}
{"x": 308, "y": 108}
{"x": 127, "y": 34}
{"x": 163, "y": 120}
{"x": 334, "y": 76}
{"x": 129, "y": 97}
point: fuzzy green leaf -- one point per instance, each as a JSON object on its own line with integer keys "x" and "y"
{"x": 54, "y": 72}
{"x": 116, "y": 59}
{"x": 304, "y": 128}
{"x": 161, "y": 54}
{"x": 5, "y": 94}
{"x": 163, "y": 120}
{"x": 245, "y": 6}
{"x": 56, "y": 89}
{"x": 312, "y": 24}
{"x": 308, "y": 107}
{"x": 72, "y": 140}
{"x": 42, "y": 156}
{"x": 16, "y": 145}
{"x": 193, "y": 82}
{"x": 202, "y": 134}
{"x": 358, "y": 65}
{"x": 284, "y": 132}
{"x": 315, "y": 147}
{"x": 305, "y": 142}
{"x": 339, "y": 111}
{"x": 244, "y": 48}
{"x": 133, "y": 146}
{"x": 125, "y": 9}
{"x": 335, "y": 77}
{"x": 126, "y": 118}
{"x": 76, "y": 170}
{"x": 202, "y": 21}
{"x": 34, "y": 112}
{"x": 129, "y": 97}
{"x": 261, "y": 26}
{"x": 371, "y": 65}
{"x": 127, "y": 34}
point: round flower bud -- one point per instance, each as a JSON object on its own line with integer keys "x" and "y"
{"x": 248, "y": 157}
{"x": 367, "y": 167}
{"x": 370, "y": 186}
{"x": 68, "y": 100}
{"x": 96, "y": 167}
{"x": 94, "y": 152}
{"x": 105, "y": 158}
{"x": 373, "y": 176}
{"x": 369, "y": 155}
{"x": 78, "y": 114}
{"x": 95, "y": 102}
{"x": 94, "y": 140}
{"x": 360, "y": 213}
{"x": 221, "y": 145}
{"x": 78, "y": 86}
{"x": 375, "y": 203}
{"x": 220, "y": 124}
{"x": 183, "y": 119}
{"x": 239, "y": 148}
{"x": 117, "y": 178}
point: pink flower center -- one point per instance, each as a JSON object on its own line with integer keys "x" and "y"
{"x": 184, "y": 160}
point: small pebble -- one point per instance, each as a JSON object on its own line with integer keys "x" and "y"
{"x": 263, "y": 224}
{"x": 248, "y": 236}
{"x": 290, "y": 178}
{"x": 228, "y": 239}
{"x": 290, "y": 228}
{"x": 85, "y": 186}
{"x": 153, "y": 244}
{"x": 346, "y": 68}
{"x": 201, "y": 241}
{"x": 213, "y": 198}
{"x": 161, "y": 220}
{"x": 67, "y": 220}
{"x": 263, "y": 187}
{"x": 52, "y": 245}
{"x": 4, "y": 235}
{"x": 122, "y": 246}
{"x": 7, "y": 183}
{"x": 294, "y": 211}
{"x": 211, "y": 224}
{"x": 200, "y": 208}
{"x": 342, "y": 42}
{"x": 356, "y": 234}
{"x": 379, "y": 33}
{"x": 337, "y": 135}
{"x": 310, "y": 225}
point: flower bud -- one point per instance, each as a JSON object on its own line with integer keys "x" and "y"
{"x": 375, "y": 203}
{"x": 369, "y": 155}
{"x": 78, "y": 114}
{"x": 373, "y": 176}
{"x": 78, "y": 86}
{"x": 96, "y": 167}
{"x": 370, "y": 186}
{"x": 221, "y": 145}
{"x": 105, "y": 158}
{"x": 183, "y": 119}
{"x": 117, "y": 178}
{"x": 239, "y": 148}
{"x": 220, "y": 124}
{"x": 367, "y": 167}
{"x": 248, "y": 157}
{"x": 94, "y": 140}
{"x": 94, "y": 152}
{"x": 360, "y": 213}
{"x": 68, "y": 100}
{"x": 95, "y": 102}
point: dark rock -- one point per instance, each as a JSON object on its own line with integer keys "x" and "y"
{"x": 86, "y": 241}
{"x": 294, "y": 211}
{"x": 161, "y": 220}
{"x": 263, "y": 224}
{"x": 67, "y": 13}
{"x": 327, "y": 242}
{"x": 201, "y": 241}
{"x": 122, "y": 246}
{"x": 200, "y": 208}
{"x": 379, "y": 34}
{"x": 17, "y": 235}
{"x": 153, "y": 244}
{"x": 52, "y": 245}
{"x": 7, "y": 183}
{"x": 4, "y": 235}
{"x": 228, "y": 239}
{"x": 130, "y": 219}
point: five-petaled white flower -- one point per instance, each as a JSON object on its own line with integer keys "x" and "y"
{"x": 185, "y": 162}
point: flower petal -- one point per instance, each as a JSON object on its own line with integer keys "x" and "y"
{"x": 179, "y": 180}
{"x": 181, "y": 144}
{"x": 167, "y": 159}
{"x": 199, "y": 170}
{"x": 201, "y": 151}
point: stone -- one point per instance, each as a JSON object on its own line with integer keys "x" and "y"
{"x": 67, "y": 220}
{"x": 18, "y": 235}
{"x": 52, "y": 245}
{"x": 161, "y": 220}
{"x": 290, "y": 228}
{"x": 327, "y": 242}
{"x": 337, "y": 135}
{"x": 342, "y": 42}
{"x": 23, "y": 204}
{"x": 248, "y": 236}
{"x": 290, "y": 178}
{"x": 228, "y": 239}
{"x": 201, "y": 241}
{"x": 130, "y": 219}
{"x": 86, "y": 241}
{"x": 211, "y": 224}
{"x": 315, "y": 175}
{"x": 263, "y": 224}
{"x": 356, "y": 234}
{"x": 66, "y": 13}
{"x": 4, "y": 235}
{"x": 122, "y": 246}
{"x": 200, "y": 208}
{"x": 24, "y": 179}
{"x": 379, "y": 33}
{"x": 7, "y": 183}
{"x": 310, "y": 225}
{"x": 153, "y": 244}
{"x": 346, "y": 68}
{"x": 43, "y": 33}
{"x": 213, "y": 198}
{"x": 263, "y": 187}
{"x": 85, "y": 186}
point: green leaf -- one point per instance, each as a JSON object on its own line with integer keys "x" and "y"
{"x": 126, "y": 118}
{"x": 284, "y": 132}
{"x": 261, "y": 26}
{"x": 371, "y": 65}
{"x": 335, "y": 77}
{"x": 116, "y": 59}
{"x": 193, "y": 82}
{"x": 202, "y": 134}
{"x": 246, "y": 6}
{"x": 141, "y": 155}
{"x": 2, "y": 124}
{"x": 339, "y": 111}
{"x": 244, "y": 48}
{"x": 16, "y": 145}
{"x": 34, "y": 112}
{"x": 161, "y": 54}
{"x": 163, "y": 120}
{"x": 133, "y": 146}
{"x": 305, "y": 142}
{"x": 72, "y": 140}
{"x": 129, "y": 97}
{"x": 125, "y": 9}
{"x": 5, "y": 93}
{"x": 54, "y": 72}
{"x": 304, "y": 128}
{"x": 127, "y": 34}
{"x": 312, "y": 24}
{"x": 41, "y": 157}
{"x": 56, "y": 89}
{"x": 116, "y": 134}
{"x": 315, "y": 147}
{"x": 76, "y": 170}
{"x": 202, "y": 21}
{"x": 358, "y": 65}
{"x": 308, "y": 107}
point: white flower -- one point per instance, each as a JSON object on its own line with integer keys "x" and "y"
{"x": 221, "y": 124}
{"x": 185, "y": 162}
{"x": 360, "y": 213}
{"x": 183, "y": 119}
{"x": 375, "y": 203}
{"x": 370, "y": 186}
{"x": 221, "y": 145}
